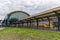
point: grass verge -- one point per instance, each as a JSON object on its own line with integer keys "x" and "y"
{"x": 28, "y": 34}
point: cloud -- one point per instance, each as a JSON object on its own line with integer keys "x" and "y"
{"x": 2, "y": 17}
{"x": 29, "y": 6}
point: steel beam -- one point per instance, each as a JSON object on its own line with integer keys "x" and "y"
{"x": 27, "y": 24}
{"x": 37, "y": 23}
{"x": 48, "y": 20}
{"x": 30, "y": 24}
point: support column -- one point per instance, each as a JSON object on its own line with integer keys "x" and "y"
{"x": 22, "y": 24}
{"x": 19, "y": 24}
{"x": 49, "y": 21}
{"x": 37, "y": 23}
{"x": 30, "y": 24}
{"x": 27, "y": 24}
{"x": 58, "y": 24}
{"x": 43, "y": 24}
{"x": 58, "y": 20}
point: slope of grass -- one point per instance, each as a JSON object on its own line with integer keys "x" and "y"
{"x": 27, "y": 34}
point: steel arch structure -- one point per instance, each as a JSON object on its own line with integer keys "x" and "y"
{"x": 11, "y": 13}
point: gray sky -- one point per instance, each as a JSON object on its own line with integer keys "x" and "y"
{"x": 29, "y": 6}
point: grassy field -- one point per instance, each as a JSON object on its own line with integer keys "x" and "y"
{"x": 28, "y": 34}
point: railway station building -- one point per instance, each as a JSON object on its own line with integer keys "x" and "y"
{"x": 48, "y": 20}
{"x": 13, "y": 17}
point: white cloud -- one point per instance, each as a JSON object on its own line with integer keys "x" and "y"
{"x": 30, "y": 6}
{"x": 2, "y": 17}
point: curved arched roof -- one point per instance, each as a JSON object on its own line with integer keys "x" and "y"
{"x": 6, "y": 20}
{"x": 18, "y": 11}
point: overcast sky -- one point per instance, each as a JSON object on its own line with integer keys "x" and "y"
{"x": 29, "y": 6}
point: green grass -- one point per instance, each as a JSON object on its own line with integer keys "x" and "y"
{"x": 28, "y": 34}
